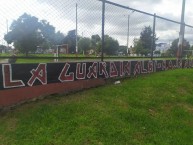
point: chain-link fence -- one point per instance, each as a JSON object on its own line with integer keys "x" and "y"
{"x": 76, "y": 29}
{"x": 145, "y": 34}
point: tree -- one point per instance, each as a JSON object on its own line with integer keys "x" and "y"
{"x": 84, "y": 44}
{"x": 157, "y": 52}
{"x": 59, "y": 38}
{"x": 25, "y": 34}
{"x": 138, "y": 47}
{"x": 50, "y": 36}
{"x": 2, "y": 48}
{"x": 70, "y": 39}
{"x": 111, "y": 45}
{"x": 95, "y": 42}
{"x": 168, "y": 53}
{"x": 174, "y": 47}
{"x": 123, "y": 49}
{"x": 48, "y": 31}
{"x": 144, "y": 44}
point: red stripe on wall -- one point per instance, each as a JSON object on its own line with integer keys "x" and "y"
{"x": 19, "y": 95}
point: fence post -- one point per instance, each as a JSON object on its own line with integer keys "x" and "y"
{"x": 181, "y": 34}
{"x": 153, "y": 38}
{"x": 103, "y": 29}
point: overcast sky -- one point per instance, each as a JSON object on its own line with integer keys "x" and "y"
{"x": 61, "y": 14}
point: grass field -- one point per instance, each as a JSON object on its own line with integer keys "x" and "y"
{"x": 156, "y": 109}
{"x": 73, "y": 58}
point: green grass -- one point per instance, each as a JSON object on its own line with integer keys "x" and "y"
{"x": 156, "y": 109}
{"x": 68, "y": 57}
{"x": 72, "y": 57}
{"x": 34, "y": 61}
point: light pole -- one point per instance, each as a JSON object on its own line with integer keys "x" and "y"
{"x": 128, "y": 31}
{"x": 181, "y": 34}
{"x": 76, "y": 29}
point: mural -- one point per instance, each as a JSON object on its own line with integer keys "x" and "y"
{"x": 28, "y": 75}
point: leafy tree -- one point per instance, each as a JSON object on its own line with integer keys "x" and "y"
{"x": 111, "y": 45}
{"x": 144, "y": 44}
{"x": 174, "y": 47}
{"x": 157, "y": 52}
{"x": 51, "y": 37}
{"x": 95, "y": 42}
{"x": 123, "y": 49}
{"x": 70, "y": 39}
{"x": 25, "y": 34}
{"x": 2, "y": 48}
{"x": 59, "y": 38}
{"x": 48, "y": 31}
{"x": 84, "y": 44}
{"x": 138, "y": 47}
{"x": 168, "y": 53}
{"x": 45, "y": 45}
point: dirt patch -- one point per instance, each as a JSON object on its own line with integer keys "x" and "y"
{"x": 182, "y": 91}
{"x": 12, "y": 124}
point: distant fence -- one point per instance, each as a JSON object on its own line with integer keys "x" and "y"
{"x": 20, "y": 83}
{"x": 91, "y": 17}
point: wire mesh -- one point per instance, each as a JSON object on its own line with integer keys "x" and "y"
{"x": 166, "y": 32}
{"x": 189, "y": 35}
{"x": 61, "y": 14}
{"x": 121, "y": 24}
{"x": 125, "y": 25}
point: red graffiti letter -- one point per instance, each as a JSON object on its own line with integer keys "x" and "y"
{"x": 179, "y": 63}
{"x": 103, "y": 69}
{"x": 150, "y": 66}
{"x": 63, "y": 75}
{"x": 113, "y": 70}
{"x": 127, "y": 68}
{"x": 39, "y": 74}
{"x": 137, "y": 68}
{"x": 143, "y": 70}
{"x": 80, "y": 74}
{"x": 8, "y": 82}
{"x": 121, "y": 69}
{"x": 158, "y": 66}
{"x": 164, "y": 65}
{"x": 170, "y": 65}
{"x": 92, "y": 71}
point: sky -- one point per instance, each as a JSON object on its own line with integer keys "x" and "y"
{"x": 62, "y": 15}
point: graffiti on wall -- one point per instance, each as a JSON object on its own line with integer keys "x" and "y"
{"x": 28, "y": 75}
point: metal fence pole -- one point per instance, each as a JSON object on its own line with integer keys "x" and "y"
{"x": 153, "y": 38}
{"x": 181, "y": 34}
{"x": 76, "y": 29}
{"x": 103, "y": 30}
